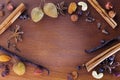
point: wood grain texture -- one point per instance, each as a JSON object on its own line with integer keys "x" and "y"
{"x": 59, "y": 44}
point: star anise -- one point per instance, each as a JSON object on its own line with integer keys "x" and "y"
{"x": 61, "y": 7}
{"x": 16, "y": 34}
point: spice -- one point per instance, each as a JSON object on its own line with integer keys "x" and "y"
{"x": 108, "y": 5}
{"x": 75, "y": 75}
{"x": 6, "y": 71}
{"x": 99, "y": 25}
{"x": 74, "y": 17}
{"x": 61, "y": 7}
{"x": 72, "y": 7}
{"x": 80, "y": 13}
{"x": 83, "y": 5}
{"x": 103, "y": 45}
{"x": 105, "y": 31}
{"x": 16, "y": 34}
{"x": 7, "y": 52}
{"x": 112, "y": 13}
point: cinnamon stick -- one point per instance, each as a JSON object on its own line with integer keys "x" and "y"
{"x": 103, "y": 13}
{"x": 104, "y": 55}
{"x": 12, "y": 17}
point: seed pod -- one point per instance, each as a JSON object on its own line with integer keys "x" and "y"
{"x": 19, "y": 68}
{"x": 4, "y": 58}
{"x": 72, "y": 7}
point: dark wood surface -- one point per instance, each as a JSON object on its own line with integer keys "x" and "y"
{"x": 59, "y": 44}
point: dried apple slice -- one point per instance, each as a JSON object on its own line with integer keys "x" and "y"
{"x": 37, "y": 14}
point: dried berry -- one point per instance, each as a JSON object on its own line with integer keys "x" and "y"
{"x": 112, "y": 14}
{"x": 105, "y": 31}
{"x": 108, "y": 6}
{"x": 72, "y": 7}
{"x": 83, "y": 5}
{"x": 37, "y": 14}
{"x": 19, "y": 68}
{"x": 74, "y": 17}
{"x": 10, "y": 7}
{"x": 4, "y": 58}
{"x": 50, "y": 10}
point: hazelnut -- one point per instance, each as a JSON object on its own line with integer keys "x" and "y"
{"x": 112, "y": 14}
{"x": 74, "y": 17}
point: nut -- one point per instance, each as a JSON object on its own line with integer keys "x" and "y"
{"x": 112, "y": 13}
{"x": 74, "y": 17}
{"x": 83, "y": 5}
{"x": 96, "y": 75}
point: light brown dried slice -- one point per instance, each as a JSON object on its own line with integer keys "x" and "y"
{"x": 37, "y": 14}
{"x": 50, "y": 10}
{"x": 72, "y": 7}
{"x": 19, "y": 68}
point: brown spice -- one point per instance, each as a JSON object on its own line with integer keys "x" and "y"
{"x": 112, "y": 13}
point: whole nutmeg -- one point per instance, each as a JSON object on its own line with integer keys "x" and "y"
{"x": 108, "y": 5}
{"x": 112, "y": 13}
{"x": 74, "y": 17}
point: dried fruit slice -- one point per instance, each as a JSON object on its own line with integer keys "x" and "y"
{"x": 72, "y": 7}
{"x": 97, "y": 76}
{"x": 4, "y": 58}
{"x": 19, "y": 68}
{"x": 83, "y": 5}
{"x": 37, "y": 14}
{"x": 50, "y": 10}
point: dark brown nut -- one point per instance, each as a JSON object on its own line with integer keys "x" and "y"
{"x": 74, "y": 17}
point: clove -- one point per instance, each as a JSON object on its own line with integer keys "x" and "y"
{"x": 105, "y": 31}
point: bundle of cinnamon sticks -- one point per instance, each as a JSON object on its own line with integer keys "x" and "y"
{"x": 103, "y": 13}
{"x": 101, "y": 57}
{"x": 12, "y": 17}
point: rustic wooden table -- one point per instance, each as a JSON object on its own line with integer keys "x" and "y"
{"x": 59, "y": 44}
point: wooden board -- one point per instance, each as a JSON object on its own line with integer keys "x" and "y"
{"x": 59, "y": 44}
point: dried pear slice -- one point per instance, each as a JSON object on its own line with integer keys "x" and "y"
{"x": 37, "y": 14}
{"x": 19, "y": 68}
{"x": 50, "y": 10}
